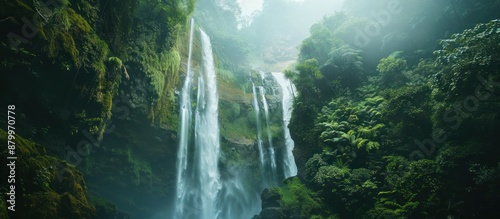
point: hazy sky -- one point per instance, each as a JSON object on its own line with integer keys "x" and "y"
{"x": 249, "y": 6}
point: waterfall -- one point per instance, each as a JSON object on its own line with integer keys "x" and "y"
{"x": 205, "y": 190}
{"x": 259, "y": 132}
{"x": 207, "y": 140}
{"x": 289, "y": 166}
{"x": 267, "y": 156}
{"x": 270, "y": 147}
{"x": 197, "y": 191}
{"x": 185, "y": 117}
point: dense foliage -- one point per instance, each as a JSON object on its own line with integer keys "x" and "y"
{"x": 401, "y": 135}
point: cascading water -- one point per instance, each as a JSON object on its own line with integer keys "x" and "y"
{"x": 207, "y": 140}
{"x": 259, "y": 132}
{"x": 287, "y": 88}
{"x": 267, "y": 155}
{"x": 185, "y": 117}
{"x": 205, "y": 190}
{"x": 270, "y": 148}
{"x": 197, "y": 190}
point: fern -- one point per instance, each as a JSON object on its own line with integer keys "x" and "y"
{"x": 361, "y": 143}
{"x": 372, "y": 145}
{"x": 375, "y": 101}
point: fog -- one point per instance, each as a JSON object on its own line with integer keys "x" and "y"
{"x": 269, "y": 33}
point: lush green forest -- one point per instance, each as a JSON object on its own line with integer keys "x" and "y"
{"x": 395, "y": 114}
{"x": 398, "y": 119}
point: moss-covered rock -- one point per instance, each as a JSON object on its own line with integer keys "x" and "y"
{"x": 46, "y": 187}
{"x": 105, "y": 209}
{"x": 292, "y": 200}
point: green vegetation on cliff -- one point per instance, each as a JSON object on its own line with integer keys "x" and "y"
{"x": 75, "y": 70}
{"x": 46, "y": 187}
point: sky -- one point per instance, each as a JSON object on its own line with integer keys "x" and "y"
{"x": 249, "y": 6}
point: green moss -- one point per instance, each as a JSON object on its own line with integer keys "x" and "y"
{"x": 275, "y": 130}
{"x": 67, "y": 28}
{"x": 232, "y": 93}
{"x": 72, "y": 207}
{"x": 104, "y": 208}
{"x": 40, "y": 204}
{"x": 97, "y": 50}
{"x": 78, "y": 22}
{"x": 115, "y": 62}
{"x": 3, "y": 210}
{"x": 45, "y": 195}
{"x": 237, "y": 129}
{"x": 295, "y": 195}
{"x": 107, "y": 103}
{"x": 163, "y": 111}
{"x": 229, "y": 110}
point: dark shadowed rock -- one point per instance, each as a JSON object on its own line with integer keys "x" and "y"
{"x": 270, "y": 199}
{"x": 272, "y": 213}
{"x": 271, "y": 205}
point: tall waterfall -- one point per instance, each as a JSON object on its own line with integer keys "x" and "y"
{"x": 198, "y": 182}
{"x": 207, "y": 140}
{"x": 270, "y": 146}
{"x": 185, "y": 117}
{"x": 267, "y": 152}
{"x": 287, "y": 88}
{"x": 259, "y": 132}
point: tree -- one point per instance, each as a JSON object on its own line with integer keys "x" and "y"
{"x": 345, "y": 66}
{"x": 392, "y": 72}
{"x": 318, "y": 45}
{"x": 468, "y": 60}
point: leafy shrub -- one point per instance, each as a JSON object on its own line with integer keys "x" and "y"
{"x": 392, "y": 72}
{"x": 296, "y": 195}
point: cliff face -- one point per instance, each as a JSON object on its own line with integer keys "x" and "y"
{"x": 239, "y": 123}
{"x": 95, "y": 84}
{"x": 42, "y": 186}
{"x": 134, "y": 167}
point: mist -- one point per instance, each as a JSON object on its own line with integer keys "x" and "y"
{"x": 269, "y": 34}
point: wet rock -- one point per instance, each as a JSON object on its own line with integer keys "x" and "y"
{"x": 271, "y": 202}
{"x": 270, "y": 199}
{"x": 272, "y": 213}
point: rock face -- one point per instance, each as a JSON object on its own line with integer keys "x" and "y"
{"x": 270, "y": 199}
{"x": 44, "y": 186}
{"x": 271, "y": 205}
{"x": 134, "y": 167}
